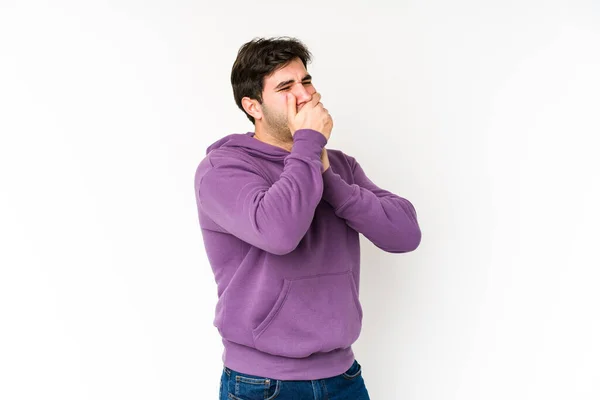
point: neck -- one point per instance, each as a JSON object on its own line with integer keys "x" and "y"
{"x": 265, "y": 136}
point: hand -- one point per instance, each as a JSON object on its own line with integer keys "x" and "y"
{"x": 325, "y": 159}
{"x": 312, "y": 116}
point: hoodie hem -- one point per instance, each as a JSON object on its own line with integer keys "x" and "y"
{"x": 248, "y": 360}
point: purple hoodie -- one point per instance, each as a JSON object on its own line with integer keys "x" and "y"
{"x": 282, "y": 240}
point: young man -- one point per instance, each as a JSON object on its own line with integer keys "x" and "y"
{"x": 280, "y": 218}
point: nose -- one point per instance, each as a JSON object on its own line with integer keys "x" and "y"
{"x": 302, "y": 93}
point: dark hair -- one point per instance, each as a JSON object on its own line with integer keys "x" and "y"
{"x": 258, "y": 59}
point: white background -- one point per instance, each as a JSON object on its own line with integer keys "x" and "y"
{"x": 484, "y": 114}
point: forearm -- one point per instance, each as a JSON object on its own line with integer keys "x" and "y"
{"x": 386, "y": 219}
{"x": 272, "y": 217}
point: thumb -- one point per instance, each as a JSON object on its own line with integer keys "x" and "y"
{"x": 291, "y": 106}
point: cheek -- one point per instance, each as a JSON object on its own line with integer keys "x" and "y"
{"x": 277, "y": 101}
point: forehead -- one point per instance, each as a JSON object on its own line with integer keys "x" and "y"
{"x": 293, "y": 71}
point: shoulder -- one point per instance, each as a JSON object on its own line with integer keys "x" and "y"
{"x": 224, "y": 161}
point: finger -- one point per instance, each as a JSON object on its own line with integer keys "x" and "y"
{"x": 291, "y": 106}
{"x": 316, "y": 98}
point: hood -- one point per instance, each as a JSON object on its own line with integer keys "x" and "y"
{"x": 248, "y": 144}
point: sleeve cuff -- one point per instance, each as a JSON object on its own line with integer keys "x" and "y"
{"x": 308, "y": 142}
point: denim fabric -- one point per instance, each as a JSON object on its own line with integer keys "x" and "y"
{"x": 346, "y": 386}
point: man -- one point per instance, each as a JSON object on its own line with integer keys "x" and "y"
{"x": 280, "y": 218}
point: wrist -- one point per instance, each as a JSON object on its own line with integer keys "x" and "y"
{"x": 325, "y": 160}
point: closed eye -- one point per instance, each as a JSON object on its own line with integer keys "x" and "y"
{"x": 289, "y": 87}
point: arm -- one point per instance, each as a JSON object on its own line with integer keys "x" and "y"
{"x": 387, "y": 220}
{"x": 273, "y": 217}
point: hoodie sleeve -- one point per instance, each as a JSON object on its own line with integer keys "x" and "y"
{"x": 387, "y": 220}
{"x": 273, "y": 217}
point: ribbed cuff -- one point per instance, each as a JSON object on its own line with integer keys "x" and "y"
{"x": 308, "y": 142}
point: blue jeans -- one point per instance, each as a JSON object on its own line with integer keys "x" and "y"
{"x": 347, "y": 386}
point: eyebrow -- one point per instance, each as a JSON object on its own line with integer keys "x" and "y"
{"x": 285, "y": 83}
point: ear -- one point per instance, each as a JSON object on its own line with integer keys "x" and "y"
{"x": 252, "y": 107}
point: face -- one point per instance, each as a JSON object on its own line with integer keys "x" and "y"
{"x": 293, "y": 78}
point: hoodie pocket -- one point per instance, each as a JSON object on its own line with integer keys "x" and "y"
{"x": 313, "y": 314}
